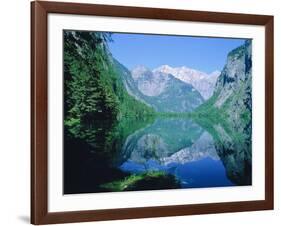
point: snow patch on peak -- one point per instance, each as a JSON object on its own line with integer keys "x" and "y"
{"x": 164, "y": 69}
{"x": 203, "y": 82}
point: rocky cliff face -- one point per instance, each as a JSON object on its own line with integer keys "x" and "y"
{"x": 234, "y": 85}
{"x": 203, "y": 82}
{"x": 129, "y": 82}
{"x": 169, "y": 89}
{"x": 149, "y": 83}
{"x": 228, "y": 115}
{"x": 164, "y": 92}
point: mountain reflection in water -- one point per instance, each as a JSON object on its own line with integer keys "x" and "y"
{"x": 196, "y": 157}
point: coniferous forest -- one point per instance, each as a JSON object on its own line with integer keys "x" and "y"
{"x": 93, "y": 88}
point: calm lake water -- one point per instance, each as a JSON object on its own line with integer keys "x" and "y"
{"x": 194, "y": 156}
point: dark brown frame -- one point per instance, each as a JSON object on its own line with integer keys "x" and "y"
{"x": 39, "y": 107}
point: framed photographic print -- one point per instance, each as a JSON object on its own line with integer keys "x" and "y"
{"x": 147, "y": 112}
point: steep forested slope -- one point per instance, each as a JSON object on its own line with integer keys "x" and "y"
{"x": 93, "y": 89}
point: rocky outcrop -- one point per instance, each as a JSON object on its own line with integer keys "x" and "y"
{"x": 164, "y": 92}
{"x": 230, "y": 110}
{"x": 234, "y": 86}
{"x": 149, "y": 83}
{"x": 201, "y": 81}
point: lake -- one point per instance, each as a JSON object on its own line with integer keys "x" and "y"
{"x": 156, "y": 153}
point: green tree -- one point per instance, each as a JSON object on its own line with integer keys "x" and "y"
{"x": 93, "y": 88}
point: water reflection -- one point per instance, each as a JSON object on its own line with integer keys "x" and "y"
{"x": 179, "y": 147}
{"x": 158, "y": 153}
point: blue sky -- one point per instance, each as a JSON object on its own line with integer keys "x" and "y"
{"x": 204, "y": 54}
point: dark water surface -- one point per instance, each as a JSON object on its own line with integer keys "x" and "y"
{"x": 184, "y": 153}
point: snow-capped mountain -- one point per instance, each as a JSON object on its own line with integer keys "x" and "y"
{"x": 203, "y": 82}
{"x": 149, "y": 83}
{"x": 164, "y": 92}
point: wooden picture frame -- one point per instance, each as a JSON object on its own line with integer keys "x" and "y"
{"x": 39, "y": 112}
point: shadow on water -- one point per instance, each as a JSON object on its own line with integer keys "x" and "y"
{"x": 91, "y": 159}
{"x": 155, "y": 153}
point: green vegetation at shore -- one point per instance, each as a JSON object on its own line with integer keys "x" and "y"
{"x": 210, "y": 117}
{"x": 144, "y": 181}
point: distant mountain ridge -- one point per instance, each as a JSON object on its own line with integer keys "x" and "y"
{"x": 148, "y": 82}
{"x": 164, "y": 92}
{"x": 203, "y": 82}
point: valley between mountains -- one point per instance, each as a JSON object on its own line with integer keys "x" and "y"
{"x": 162, "y": 128}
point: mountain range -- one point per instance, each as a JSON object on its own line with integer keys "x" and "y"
{"x": 165, "y": 92}
{"x": 225, "y": 113}
{"x": 168, "y": 89}
{"x": 120, "y": 92}
{"x": 203, "y": 82}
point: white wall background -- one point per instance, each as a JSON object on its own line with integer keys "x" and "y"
{"x": 14, "y": 112}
